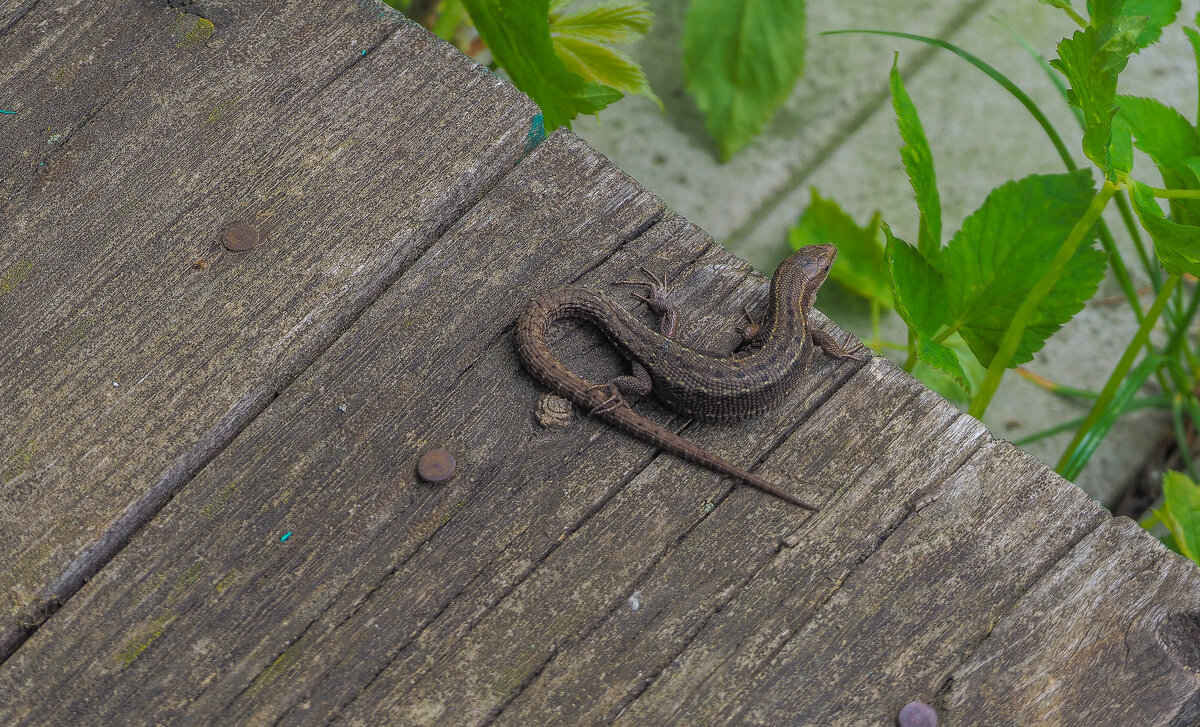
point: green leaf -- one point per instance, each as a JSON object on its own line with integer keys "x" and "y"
{"x": 1177, "y": 246}
{"x": 1159, "y": 13}
{"x": 1192, "y": 164}
{"x": 918, "y": 162}
{"x": 1161, "y": 131}
{"x": 918, "y": 291}
{"x": 1091, "y": 60}
{"x": 1169, "y": 139}
{"x": 944, "y": 359}
{"x": 741, "y": 59}
{"x": 1181, "y": 513}
{"x": 518, "y": 34}
{"x": 1004, "y": 248}
{"x": 615, "y": 21}
{"x": 1121, "y": 148}
{"x": 859, "y": 264}
{"x": 1194, "y": 38}
{"x": 604, "y": 65}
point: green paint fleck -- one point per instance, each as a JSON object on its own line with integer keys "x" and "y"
{"x": 227, "y": 581}
{"x": 281, "y": 663}
{"x": 13, "y": 276}
{"x": 222, "y": 108}
{"x": 220, "y": 501}
{"x": 77, "y": 333}
{"x": 201, "y": 31}
{"x": 135, "y": 646}
{"x": 19, "y": 462}
{"x": 521, "y": 669}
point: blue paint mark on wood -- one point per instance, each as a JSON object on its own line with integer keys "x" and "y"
{"x": 285, "y": 537}
{"x": 537, "y": 132}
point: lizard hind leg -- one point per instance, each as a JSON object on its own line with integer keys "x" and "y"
{"x": 638, "y": 383}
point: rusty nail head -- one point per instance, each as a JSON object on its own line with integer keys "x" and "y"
{"x": 436, "y": 466}
{"x": 239, "y": 236}
{"x": 917, "y": 714}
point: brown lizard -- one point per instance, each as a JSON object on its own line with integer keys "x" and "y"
{"x": 708, "y": 386}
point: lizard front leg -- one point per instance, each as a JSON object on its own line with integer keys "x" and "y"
{"x": 659, "y": 301}
{"x": 832, "y": 348}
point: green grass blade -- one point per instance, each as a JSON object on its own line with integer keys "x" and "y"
{"x": 1089, "y": 439}
{"x": 1008, "y": 85}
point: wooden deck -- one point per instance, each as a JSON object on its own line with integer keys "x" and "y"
{"x": 208, "y": 506}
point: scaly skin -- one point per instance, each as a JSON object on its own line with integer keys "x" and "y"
{"x": 743, "y": 384}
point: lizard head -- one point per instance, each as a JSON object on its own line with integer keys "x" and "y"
{"x": 813, "y": 263}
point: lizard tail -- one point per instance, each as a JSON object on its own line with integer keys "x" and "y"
{"x": 641, "y": 427}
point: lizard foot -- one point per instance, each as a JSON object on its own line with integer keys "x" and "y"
{"x": 615, "y": 398}
{"x": 657, "y": 289}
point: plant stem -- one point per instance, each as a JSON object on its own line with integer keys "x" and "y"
{"x": 1181, "y": 434}
{"x": 1153, "y": 270}
{"x": 1159, "y": 401}
{"x": 1175, "y": 193}
{"x": 1118, "y": 375}
{"x": 911, "y": 361}
{"x": 1076, "y": 17}
{"x": 1024, "y": 314}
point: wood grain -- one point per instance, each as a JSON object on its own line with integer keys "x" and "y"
{"x": 1109, "y": 637}
{"x": 847, "y": 636}
{"x": 132, "y": 347}
{"x": 207, "y": 616}
{"x": 743, "y": 542}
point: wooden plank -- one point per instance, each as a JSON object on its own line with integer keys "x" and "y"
{"x": 207, "y": 616}
{"x": 880, "y": 410}
{"x": 829, "y": 640}
{"x": 1111, "y": 636}
{"x": 126, "y": 363}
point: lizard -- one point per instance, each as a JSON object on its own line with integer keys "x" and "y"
{"x": 703, "y": 385}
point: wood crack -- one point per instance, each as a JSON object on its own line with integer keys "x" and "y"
{"x": 939, "y": 698}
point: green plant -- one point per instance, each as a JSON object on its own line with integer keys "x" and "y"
{"x": 1025, "y": 262}
{"x": 1180, "y": 514}
{"x": 741, "y": 58}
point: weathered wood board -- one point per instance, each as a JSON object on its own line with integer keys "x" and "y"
{"x": 1117, "y": 610}
{"x": 331, "y": 460}
{"x": 301, "y": 574}
{"x": 132, "y": 346}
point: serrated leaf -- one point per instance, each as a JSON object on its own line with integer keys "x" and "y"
{"x": 604, "y": 65}
{"x": 1004, "y": 247}
{"x": 1169, "y": 139}
{"x": 1177, "y": 246}
{"x": 615, "y": 21}
{"x": 1161, "y": 131}
{"x": 918, "y": 290}
{"x": 1181, "y": 513}
{"x": 918, "y": 163}
{"x": 1091, "y": 60}
{"x": 859, "y": 264}
{"x": 1194, "y": 39}
{"x": 1192, "y": 164}
{"x": 1121, "y": 147}
{"x": 944, "y": 359}
{"x": 1160, "y": 14}
{"x": 741, "y": 59}
{"x": 518, "y": 34}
